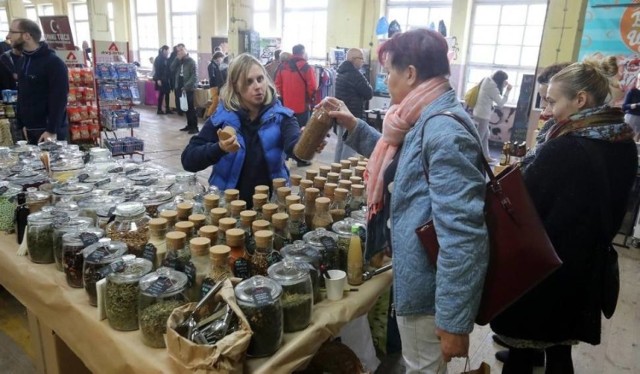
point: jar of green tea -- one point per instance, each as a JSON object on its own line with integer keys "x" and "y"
{"x": 304, "y": 253}
{"x": 259, "y": 299}
{"x": 297, "y": 293}
{"x": 8, "y": 204}
{"x": 101, "y": 259}
{"x": 122, "y": 293}
{"x": 160, "y": 293}
{"x": 40, "y": 237}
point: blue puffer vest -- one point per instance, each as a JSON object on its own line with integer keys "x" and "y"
{"x": 227, "y": 171}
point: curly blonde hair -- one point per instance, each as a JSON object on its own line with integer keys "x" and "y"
{"x": 592, "y": 76}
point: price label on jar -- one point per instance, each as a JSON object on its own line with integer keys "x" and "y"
{"x": 274, "y": 257}
{"x": 159, "y": 286}
{"x": 83, "y": 177}
{"x": 149, "y": 252}
{"x": 241, "y": 268}
{"x": 207, "y": 285}
{"x": 262, "y": 296}
{"x": 170, "y": 260}
{"x": 88, "y": 238}
{"x": 103, "y": 182}
{"x": 117, "y": 191}
{"x": 132, "y": 171}
{"x": 98, "y": 254}
{"x": 118, "y": 169}
{"x": 190, "y": 271}
{"x": 330, "y": 251}
{"x": 148, "y": 182}
{"x": 114, "y": 267}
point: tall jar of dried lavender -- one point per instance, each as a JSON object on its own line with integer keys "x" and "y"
{"x": 160, "y": 293}
{"x": 100, "y": 259}
{"x": 122, "y": 293}
{"x": 297, "y": 293}
{"x": 259, "y": 299}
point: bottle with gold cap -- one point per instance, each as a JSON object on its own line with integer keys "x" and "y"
{"x": 338, "y": 206}
{"x": 282, "y": 193}
{"x": 210, "y": 232}
{"x": 184, "y": 209}
{"x": 281, "y": 236}
{"x": 322, "y": 217}
{"x": 297, "y": 223}
{"x": 219, "y": 258}
{"x": 235, "y": 207}
{"x": 178, "y": 254}
{"x": 238, "y": 258}
{"x": 259, "y": 200}
{"x": 310, "y": 196}
{"x": 357, "y": 200}
{"x": 259, "y": 260}
{"x": 198, "y": 221}
{"x": 295, "y": 183}
{"x": 186, "y": 227}
{"x": 304, "y": 184}
{"x": 269, "y": 210}
{"x": 217, "y": 214}
{"x": 157, "y": 237}
{"x": 171, "y": 216}
{"x": 225, "y": 224}
{"x": 246, "y": 220}
{"x": 277, "y": 183}
{"x": 199, "y": 248}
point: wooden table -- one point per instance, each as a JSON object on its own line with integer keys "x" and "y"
{"x": 68, "y": 338}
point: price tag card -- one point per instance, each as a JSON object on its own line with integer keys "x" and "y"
{"x": 97, "y": 255}
{"x": 114, "y": 267}
{"x": 88, "y": 238}
{"x": 159, "y": 286}
{"x": 170, "y": 260}
{"x": 330, "y": 251}
{"x": 262, "y": 296}
{"x": 207, "y": 285}
{"x": 241, "y": 268}
{"x": 149, "y": 252}
{"x": 190, "y": 271}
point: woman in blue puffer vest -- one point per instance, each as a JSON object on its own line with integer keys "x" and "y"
{"x": 266, "y": 133}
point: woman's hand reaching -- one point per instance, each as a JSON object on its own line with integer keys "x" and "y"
{"x": 339, "y": 112}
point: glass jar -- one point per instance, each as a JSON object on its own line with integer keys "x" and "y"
{"x": 268, "y": 210}
{"x": 295, "y": 183}
{"x": 143, "y": 175}
{"x": 230, "y": 195}
{"x": 246, "y": 220}
{"x": 311, "y": 174}
{"x": 338, "y": 208}
{"x": 198, "y": 221}
{"x": 95, "y": 177}
{"x": 100, "y": 259}
{"x": 345, "y": 184}
{"x": 322, "y": 218}
{"x": 100, "y": 159}
{"x": 303, "y": 253}
{"x": 186, "y": 227}
{"x": 259, "y": 260}
{"x": 297, "y": 224}
{"x": 200, "y": 258}
{"x": 73, "y": 189}
{"x": 160, "y": 293}
{"x": 218, "y": 213}
{"x": 178, "y": 254}
{"x": 28, "y": 177}
{"x": 157, "y": 237}
{"x": 329, "y": 190}
{"x": 73, "y": 244}
{"x": 324, "y": 171}
{"x": 326, "y": 242}
{"x": 261, "y": 189}
{"x": 97, "y": 199}
{"x": 290, "y": 200}
{"x": 310, "y": 196}
{"x": 259, "y": 300}
{"x": 66, "y": 167}
{"x": 225, "y": 224}
{"x": 319, "y": 182}
{"x": 343, "y": 229}
{"x": 171, "y": 216}
{"x": 37, "y": 199}
{"x": 281, "y": 198}
{"x": 219, "y": 258}
{"x": 187, "y": 186}
{"x": 152, "y": 199}
{"x": 131, "y": 226}
{"x": 235, "y": 207}
{"x": 40, "y": 237}
{"x": 184, "y": 209}
{"x": 210, "y": 232}
{"x": 122, "y": 293}
{"x": 8, "y": 204}
{"x": 281, "y": 236}
{"x": 314, "y": 133}
{"x": 7, "y": 161}
{"x": 61, "y": 226}
{"x": 333, "y": 177}
{"x": 304, "y": 184}
{"x": 357, "y": 200}
{"x": 238, "y": 258}
{"x": 297, "y": 293}
{"x": 210, "y": 201}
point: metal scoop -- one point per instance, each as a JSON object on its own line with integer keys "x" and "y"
{"x": 186, "y": 327}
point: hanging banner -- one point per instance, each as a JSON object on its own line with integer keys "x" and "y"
{"x": 72, "y": 58}
{"x": 107, "y": 51}
{"x": 57, "y": 32}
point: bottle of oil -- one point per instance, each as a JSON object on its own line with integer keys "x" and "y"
{"x": 354, "y": 258}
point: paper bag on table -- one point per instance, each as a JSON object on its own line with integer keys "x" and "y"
{"x": 226, "y": 356}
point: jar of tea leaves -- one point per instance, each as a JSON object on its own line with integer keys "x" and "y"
{"x": 101, "y": 259}
{"x": 259, "y": 260}
{"x": 297, "y": 224}
{"x": 343, "y": 229}
{"x": 131, "y": 226}
{"x": 40, "y": 237}
{"x": 297, "y": 293}
{"x": 61, "y": 226}
{"x": 259, "y": 299}
{"x": 219, "y": 258}
{"x": 73, "y": 244}
{"x": 301, "y": 252}
{"x": 160, "y": 293}
{"x": 121, "y": 298}
{"x": 326, "y": 242}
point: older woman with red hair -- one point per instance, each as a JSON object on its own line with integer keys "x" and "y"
{"x": 425, "y": 165}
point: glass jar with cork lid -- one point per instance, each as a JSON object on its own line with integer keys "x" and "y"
{"x": 178, "y": 254}
{"x": 323, "y": 171}
{"x": 217, "y": 214}
{"x": 275, "y": 184}
{"x": 219, "y": 258}
{"x": 235, "y": 207}
{"x": 268, "y": 210}
{"x": 210, "y": 232}
{"x": 319, "y": 182}
{"x": 246, "y": 220}
{"x": 338, "y": 206}
{"x": 157, "y": 237}
{"x": 297, "y": 224}
{"x": 329, "y": 190}
{"x": 210, "y": 201}
{"x": 333, "y": 177}
{"x": 295, "y": 183}
{"x": 310, "y": 196}
{"x": 290, "y": 200}
{"x": 322, "y": 217}
{"x": 259, "y": 260}
{"x": 171, "y": 216}
{"x": 297, "y": 293}
{"x": 311, "y": 174}
{"x": 259, "y": 199}
{"x": 122, "y": 293}
{"x": 281, "y": 236}
{"x": 282, "y": 194}
{"x": 186, "y": 227}
{"x": 131, "y": 226}
{"x": 301, "y": 252}
{"x": 230, "y": 195}
{"x": 200, "y": 258}
{"x": 198, "y": 221}
{"x": 357, "y": 200}
{"x": 184, "y": 209}
{"x": 304, "y": 184}
{"x": 226, "y": 223}
{"x": 238, "y": 258}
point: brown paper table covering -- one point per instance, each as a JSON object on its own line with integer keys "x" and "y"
{"x": 44, "y": 291}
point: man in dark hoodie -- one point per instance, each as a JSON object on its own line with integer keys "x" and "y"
{"x": 43, "y": 85}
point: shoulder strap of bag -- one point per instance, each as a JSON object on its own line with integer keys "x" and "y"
{"x": 294, "y": 66}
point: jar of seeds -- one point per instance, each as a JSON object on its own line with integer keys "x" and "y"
{"x": 101, "y": 259}
{"x": 121, "y": 299}
{"x": 131, "y": 226}
{"x": 297, "y": 293}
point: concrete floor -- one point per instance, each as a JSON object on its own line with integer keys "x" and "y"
{"x": 618, "y": 353}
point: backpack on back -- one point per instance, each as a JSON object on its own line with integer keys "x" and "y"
{"x": 471, "y": 96}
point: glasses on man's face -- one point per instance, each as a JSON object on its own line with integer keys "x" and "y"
{"x": 15, "y": 32}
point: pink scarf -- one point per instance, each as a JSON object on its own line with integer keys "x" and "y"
{"x": 399, "y": 119}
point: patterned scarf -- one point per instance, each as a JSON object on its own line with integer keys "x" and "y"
{"x": 399, "y": 119}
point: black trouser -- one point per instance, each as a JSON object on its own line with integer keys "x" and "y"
{"x": 558, "y": 360}
{"x": 176, "y": 96}
{"x": 163, "y": 95}
{"x": 192, "y": 118}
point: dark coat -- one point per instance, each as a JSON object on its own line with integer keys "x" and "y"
{"x": 161, "y": 73}
{"x": 353, "y": 88}
{"x": 216, "y": 76}
{"x": 564, "y": 186}
{"x": 10, "y": 64}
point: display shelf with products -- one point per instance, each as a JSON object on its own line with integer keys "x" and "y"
{"x": 84, "y": 127}
{"x": 9, "y": 133}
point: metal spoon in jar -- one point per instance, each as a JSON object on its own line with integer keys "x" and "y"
{"x": 185, "y": 328}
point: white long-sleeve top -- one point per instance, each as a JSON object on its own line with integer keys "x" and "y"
{"x": 488, "y": 95}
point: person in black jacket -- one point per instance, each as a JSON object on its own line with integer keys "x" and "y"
{"x": 172, "y": 73}
{"x": 10, "y": 64}
{"x": 631, "y": 106}
{"x": 216, "y": 81}
{"x": 161, "y": 78}
{"x": 43, "y": 85}
{"x": 579, "y": 180}
{"x": 354, "y": 89}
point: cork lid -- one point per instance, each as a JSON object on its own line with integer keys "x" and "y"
{"x": 218, "y": 213}
{"x": 329, "y": 189}
{"x": 260, "y": 199}
{"x": 324, "y": 170}
{"x": 260, "y": 224}
{"x": 235, "y": 237}
{"x": 263, "y": 238}
{"x": 345, "y": 184}
{"x": 197, "y": 219}
{"x": 185, "y": 227}
{"x": 296, "y": 210}
{"x": 318, "y": 182}
{"x": 341, "y": 194}
{"x": 346, "y": 173}
{"x": 278, "y": 182}
{"x": 310, "y": 194}
{"x": 231, "y": 194}
{"x": 323, "y": 202}
{"x": 357, "y": 189}
{"x": 359, "y": 171}
{"x": 176, "y": 239}
{"x": 219, "y": 252}
{"x": 345, "y": 164}
{"x": 362, "y": 163}
{"x": 306, "y": 183}
{"x": 211, "y": 200}
{"x": 261, "y": 189}
{"x": 169, "y": 215}
{"x": 227, "y": 223}
{"x": 355, "y": 180}
{"x": 292, "y": 199}
{"x": 295, "y": 179}
{"x": 237, "y": 206}
{"x": 184, "y": 207}
{"x": 248, "y": 215}
{"x": 269, "y": 209}
{"x": 283, "y": 192}
{"x": 208, "y": 231}
{"x": 199, "y": 246}
{"x": 310, "y": 174}
{"x": 158, "y": 224}
{"x": 333, "y": 177}
{"x": 335, "y": 167}
{"x": 354, "y": 161}
{"x": 280, "y": 219}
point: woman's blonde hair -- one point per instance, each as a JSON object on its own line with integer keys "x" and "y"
{"x": 237, "y": 81}
{"x": 592, "y": 76}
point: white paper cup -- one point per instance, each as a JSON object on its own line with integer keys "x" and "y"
{"x": 335, "y": 285}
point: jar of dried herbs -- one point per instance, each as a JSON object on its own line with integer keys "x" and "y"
{"x": 259, "y": 300}
{"x": 217, "y": 214}
{"x": 281, "y": 235}
{"x": 297, "y": 293}
{"x": 219, "y": 258}
{"x": 246, "y": 220}
{"x": 61, "y": 226}
{"x": 100, "y": 259}
{"x": 178, "y": 254}
{"x": 121, "y": 298}
{"x": 160, "y": 293}
{"x": 238, "y": 258}
{"x": 37, "y": 199}
{"x": 322, "y": 217}
{"x": 158, "y": 237}
{"x": 301, "y": 252}
{"x": 343, "y": 229}
{"x": 326, "y": 242}
{"x": 259, "y": 260}
{"x": 297, "y": 223}
{"x": 73, "y": 243}
{"x": 199, "y": 248}
{"x": 131, "y": 226}
{"x": 40, "y": 237}
{"x": 152, "y": 199}
{"x": 97, "y": 199}
{"x": 338, "y": 207}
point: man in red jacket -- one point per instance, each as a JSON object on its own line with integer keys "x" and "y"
{"x": 296, "y": 84}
